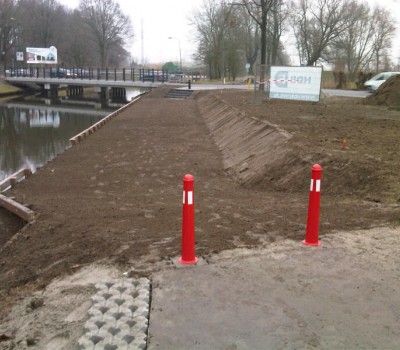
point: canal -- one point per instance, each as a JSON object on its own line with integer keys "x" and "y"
{"x": 32, "y": 132}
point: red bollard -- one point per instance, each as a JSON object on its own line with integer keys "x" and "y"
{"x": 188, "y": 253}
{"x": 314, "y": 207}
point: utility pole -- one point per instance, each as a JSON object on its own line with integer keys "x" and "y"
{"x": 142, "y": 38}
{"x": 180, "y": 52}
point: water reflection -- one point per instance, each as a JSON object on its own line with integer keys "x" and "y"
{"x": 33, "y": 131}
{"x": 42, "y": 118}
{"x": 31, "y": 136}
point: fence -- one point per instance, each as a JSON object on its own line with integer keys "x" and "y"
{"x": 113, "y": 74}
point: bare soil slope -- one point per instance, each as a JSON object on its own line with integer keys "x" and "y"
{"x": 388, "y": 93}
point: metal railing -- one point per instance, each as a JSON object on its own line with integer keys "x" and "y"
{"x": 113, "y": 74}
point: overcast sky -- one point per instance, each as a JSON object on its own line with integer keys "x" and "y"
{"x": 161, "y": 19}
{"x": 170, "y": 18}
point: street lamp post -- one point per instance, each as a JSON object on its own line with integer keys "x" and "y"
{"x": 14, "y": 51}
{"x": 180, "y": 52}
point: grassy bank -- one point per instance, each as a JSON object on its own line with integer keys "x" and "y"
{"x": 7, "y": 89}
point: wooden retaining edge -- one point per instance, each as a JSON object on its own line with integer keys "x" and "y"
{"x": 85, "y": 133}
{"x": 16, "y": 208}
{"x": 11, "y": 205}
{"x": 14, "y": 178}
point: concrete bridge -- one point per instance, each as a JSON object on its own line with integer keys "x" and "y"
{"x": 107, "y": 82}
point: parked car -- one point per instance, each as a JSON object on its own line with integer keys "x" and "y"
{"x": 154, "y": 75}
{"x": 176, "y": 78}
{"x": 19, "y": 72}
{"x": 60, "y": 73}
{"x": 377, "y": 80}
{"x": 81, "y": 73}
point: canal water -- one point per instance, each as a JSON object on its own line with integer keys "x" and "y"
{"x": 32, "y": 132}
{"x": 30, "y": 136}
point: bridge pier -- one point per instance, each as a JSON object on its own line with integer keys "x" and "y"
{"x": 52, "y": 90}
{"x": 118, "y": 92}
{"x": 74, "y": 90}
{"x": 103, "y": 92}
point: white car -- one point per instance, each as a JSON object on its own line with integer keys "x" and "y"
{"x": 377, "y": 80}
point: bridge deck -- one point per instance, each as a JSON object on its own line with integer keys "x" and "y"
{"x": 82, "y": 82}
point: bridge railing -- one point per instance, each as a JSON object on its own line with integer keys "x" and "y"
{"x": 108, "y": 74}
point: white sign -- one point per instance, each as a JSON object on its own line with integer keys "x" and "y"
{"x": 296, "y": 83}
{"x": 20, "y": 56}
{"x": 41, "y": 55}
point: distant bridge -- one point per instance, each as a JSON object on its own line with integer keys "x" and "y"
{"x": 75, "y": 79}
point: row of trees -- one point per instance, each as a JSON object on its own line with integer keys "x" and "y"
{"x": 92, "y": 35}
{"x": 348, "y": 34}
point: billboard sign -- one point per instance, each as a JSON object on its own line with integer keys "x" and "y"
{"x": 41, "y": 55}
{"x": 296, "y": 83}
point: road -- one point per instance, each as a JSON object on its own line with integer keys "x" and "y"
{"x": 331, "y": 92}
{"x": 346, "y": 93}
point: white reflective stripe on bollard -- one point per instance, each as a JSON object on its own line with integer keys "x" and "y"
{"x": 318, "y": 186}
{"x": 190, "y": 198}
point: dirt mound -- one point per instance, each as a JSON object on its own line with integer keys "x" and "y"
{"x": 388, "y": 93}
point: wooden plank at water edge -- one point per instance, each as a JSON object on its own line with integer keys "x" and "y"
{"x": 14, "y": 178}
{"x": 16, "y": 208}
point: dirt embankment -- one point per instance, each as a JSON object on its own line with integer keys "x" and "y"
{"x": 355, "y": 144}
{"x": 388, "y": 93}
{"x": 116, "y": 197}
{"x": 249, "y": 145}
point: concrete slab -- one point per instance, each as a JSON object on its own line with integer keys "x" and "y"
{"x": 288, "y": 296}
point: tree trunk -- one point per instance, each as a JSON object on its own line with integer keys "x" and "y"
{"x": 263, "y": 43}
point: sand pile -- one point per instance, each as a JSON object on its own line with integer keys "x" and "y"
{"x": 388, "y": 94}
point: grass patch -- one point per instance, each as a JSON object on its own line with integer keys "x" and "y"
{"x": 6, "y": 88}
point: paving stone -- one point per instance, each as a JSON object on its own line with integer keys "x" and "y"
{"x": 118, "y": 317}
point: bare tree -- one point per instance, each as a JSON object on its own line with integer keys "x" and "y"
{"x": 220, "y": 32}
{"x": 42, "y": 22}
{"x": 275, "y": 27}
{"x": 208, "y": 24}
{"x": 259, "y": 10}
{"x": 109, "y": 27}
{"x": 316, "y": 24}
{"x": 239, "y": 39}
{"x": 229, "y": 33}
{"x": 78, "y": 50}
{"x": 383, "y": 33}
{"x": 251, "y": 41}
{"x": 355, "y": 44}
{"x": 8, "y": 33}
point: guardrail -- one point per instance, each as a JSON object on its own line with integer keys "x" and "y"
{"x": 108, "y": 74}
